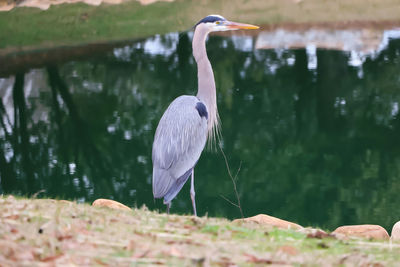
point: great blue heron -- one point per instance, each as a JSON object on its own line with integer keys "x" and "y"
{"x": 183, "y": 129}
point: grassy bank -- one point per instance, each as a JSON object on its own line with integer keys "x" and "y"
{"x": 79, "y": 23}
{"x": 49, "y": 231}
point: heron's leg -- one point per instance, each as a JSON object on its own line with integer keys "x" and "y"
{"x": 192, "y": 193}
{"x": 168, "y": 206}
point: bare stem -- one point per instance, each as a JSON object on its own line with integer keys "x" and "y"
{"x": 227, "y": 199}
{"x": 38, "y": 192}
{"x": 234, "y": 179}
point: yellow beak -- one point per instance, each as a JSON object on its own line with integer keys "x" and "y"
{"x": 236, "y": 25}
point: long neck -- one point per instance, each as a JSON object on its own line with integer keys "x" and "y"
{"x": 206, "y": 83}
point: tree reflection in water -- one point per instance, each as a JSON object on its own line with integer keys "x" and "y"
{"x": 318, "y": 146}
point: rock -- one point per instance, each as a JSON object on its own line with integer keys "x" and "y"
{"x": 396, "y": 232}
{"x": 270, "y": 221}
{"x": 7, "y": 7}
{"x": 43, "y": 5}
{"x": 92, "y": 2}
{"x": 110, "y": 204}
{"x": 366, "y": 231}
{"x": 148, "y": 2}
{"x": 113, "y": 2}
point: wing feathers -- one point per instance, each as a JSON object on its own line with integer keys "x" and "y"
{"x": 179, "y": 140}
{"x": 162, "y": 182}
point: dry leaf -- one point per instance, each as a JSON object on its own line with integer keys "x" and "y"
{"x": 174, "y": 251}
{"x": 319, "y": 234}
{"x": 52, "y": 258}
{"x": 289, "y": 250}
{"x": 141, "y": 254}
{"x": 255, "y": 259}
{"x": 64, "y": 237}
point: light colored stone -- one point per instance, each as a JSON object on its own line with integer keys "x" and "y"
{"x": 101, "y": 202}
{"x": 92, "y": 2}
{"x": 148, "y": 2}
{"x": 7, "y": 7}
{"x": 270, "y": 221}
{"x": 365, "y": 230}
{"x": 113, "y": 2}
{"x": 395, "y": 236}
{"x": 43, "y": 5}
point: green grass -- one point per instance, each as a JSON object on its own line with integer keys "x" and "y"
{"x": 79, "y": 234}
{"x": 80, "y": 23}
{"x": 71, "y": 24}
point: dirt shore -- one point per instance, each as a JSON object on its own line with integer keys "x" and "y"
{"x": 58, "y": 232}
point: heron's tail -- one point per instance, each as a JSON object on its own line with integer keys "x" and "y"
{"x": 162, "y": 182}
{"x": 177, "y": 186}
{"x": 164, "y": 185}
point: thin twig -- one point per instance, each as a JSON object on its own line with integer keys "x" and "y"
{"x": 227, "y": 199}
{"x": 38, "y": 192}
{"x": 236, "y": 175}
{"x": 233, "y": 181}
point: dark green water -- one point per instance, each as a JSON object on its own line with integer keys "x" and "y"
{"x": 318, "y": 145}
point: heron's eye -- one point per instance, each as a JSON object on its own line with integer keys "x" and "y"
{"x": 218, "y": 22}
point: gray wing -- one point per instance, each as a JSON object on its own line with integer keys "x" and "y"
{"x": 179, "y": 140}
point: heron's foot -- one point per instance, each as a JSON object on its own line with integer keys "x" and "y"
{"x": 168, "y": 206}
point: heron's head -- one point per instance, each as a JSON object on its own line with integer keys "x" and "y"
{"x": 216, "y": 23}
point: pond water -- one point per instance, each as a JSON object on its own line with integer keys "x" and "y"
{"x": 312, "y": 134}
